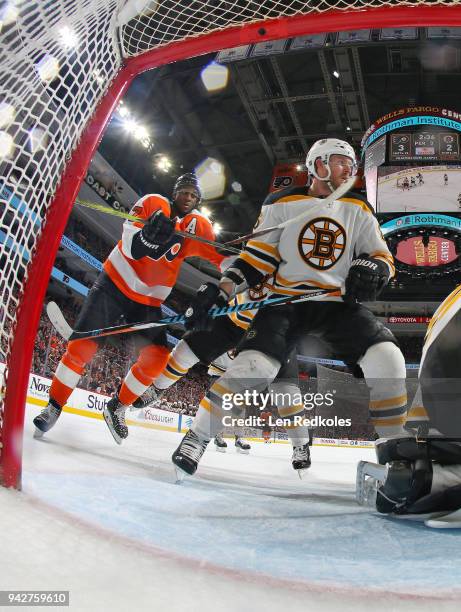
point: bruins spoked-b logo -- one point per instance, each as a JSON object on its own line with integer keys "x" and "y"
{"x": 322, "y": 242}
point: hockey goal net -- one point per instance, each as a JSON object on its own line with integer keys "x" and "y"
{"x": 64, "y": 66}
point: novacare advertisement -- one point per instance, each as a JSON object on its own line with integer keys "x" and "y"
{"x": 90, "y": 404}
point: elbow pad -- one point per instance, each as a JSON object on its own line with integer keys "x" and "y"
{"x": 248, "y": 273}
{"x": 235, "y": 276}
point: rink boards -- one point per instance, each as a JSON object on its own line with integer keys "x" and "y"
{"x": 91, "y": 404}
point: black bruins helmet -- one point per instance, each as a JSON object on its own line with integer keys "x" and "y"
{"x": 187, "y": 180}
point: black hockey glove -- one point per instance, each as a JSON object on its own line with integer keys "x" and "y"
{"x": 197, "y": 317}
{"x": 366, "y": 279}
{"x": 158, "y": 229}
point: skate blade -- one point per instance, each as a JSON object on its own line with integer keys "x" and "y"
{"x": 108, "y": 421}
{"x": 301, "y": 472}
{"x": 180, "y": 475}
{"x": 220, "y": 450}
{"x": 38, "y": 433}
{"x": 243, "y": 451}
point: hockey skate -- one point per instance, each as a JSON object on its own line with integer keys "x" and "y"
{"x": 188, "y": 454}
{"x": 114, "y": 415}
{"x": 150, "y": 395}
{"x": 301, "y": 458}
{"x": 220, "y": 443}
{"x": 242, "y": 446}
{"x": 46, "y": 419}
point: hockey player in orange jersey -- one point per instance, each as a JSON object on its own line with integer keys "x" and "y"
{"x": 137, "y": 277}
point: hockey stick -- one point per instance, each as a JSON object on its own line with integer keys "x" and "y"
{"x": 59, "y": 322}
{"x": 127, "y": 216}
{"x": 335, "y": 195}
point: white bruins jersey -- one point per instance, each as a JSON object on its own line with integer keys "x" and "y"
{"x": 317, "y": 251}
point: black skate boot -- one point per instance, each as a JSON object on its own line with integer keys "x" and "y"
{"x": 47, "y": 418}
{"x": 150, "y": 395}
{"x": 220, "y": 443}
{"x": 114, "y": 415}
{"x": 301, "y": 458}
{"x": 188, "y": 454}
{"x": 242, "y": 446}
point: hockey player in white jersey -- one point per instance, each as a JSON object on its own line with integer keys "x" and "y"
{"x": 211, "y": 344}
{"x": 421, "y": 475}
{"x": 216, "y": 369}
{"x": 338, "y": 247}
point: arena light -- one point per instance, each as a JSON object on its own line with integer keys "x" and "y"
{"x": 236, "y": 186}
{"x": 98, "y": 76}
{"x": 8, "y": 14}
{"x": 38, "y": 139}
{"x": 123, "y": 110}
{"x": 215, "y": 77}
{"x": 336, "y": 74}
{"x": 7, "y": 114}
{"x": 6, "y": 145}
{"x": 163, "y": 163}
{"x": 299, "y": 167}
{"x": 217, "y": 228}
{"x": 48, "y": 68}
{"x": 205, "y": 211}
{"x": 130, "y": 125}
{"x": 69, "y": 38}
{"x": 140, "y": 133}
{"x": 212, "y": 178}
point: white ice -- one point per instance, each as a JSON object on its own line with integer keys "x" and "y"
{"x": 109, "y": 524}
{"x": 432, "y": 196}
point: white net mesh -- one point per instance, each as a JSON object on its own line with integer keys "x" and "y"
{"x": 155, "y": 23}
{"x": 58, "y": 59}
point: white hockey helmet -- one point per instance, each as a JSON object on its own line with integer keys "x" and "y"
{"x": 323, "y": 149}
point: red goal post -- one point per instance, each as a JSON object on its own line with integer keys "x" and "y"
{"x": 65, "y": 65}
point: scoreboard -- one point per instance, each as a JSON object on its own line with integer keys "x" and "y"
{"x": 424, "y": 145}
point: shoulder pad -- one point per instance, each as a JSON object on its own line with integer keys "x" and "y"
{"x": 282, "y": 193}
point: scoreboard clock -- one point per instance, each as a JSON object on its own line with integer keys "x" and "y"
{"x": 424, "y": 145}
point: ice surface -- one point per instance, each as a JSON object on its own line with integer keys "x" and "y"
{"x": 432, "y": 196}
{"x": 109, "y": 524}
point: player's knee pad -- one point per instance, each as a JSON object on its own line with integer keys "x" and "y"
{"x": 184, "y": 354}
{"x": 253, "y": 365}
{"x": 152, "y": 359}
{"x": 79, "y": 353}
{"x": 383, "y": 361}
{"x": 285, "y": 387}
{"x": 287, "y": 397}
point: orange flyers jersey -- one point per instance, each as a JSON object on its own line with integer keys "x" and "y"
{"x": 150, "y": 279}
